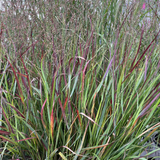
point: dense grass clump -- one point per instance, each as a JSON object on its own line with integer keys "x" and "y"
{"x": 78, "y": 79}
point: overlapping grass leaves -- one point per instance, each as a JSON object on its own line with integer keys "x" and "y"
{"x": 76, "y": 87}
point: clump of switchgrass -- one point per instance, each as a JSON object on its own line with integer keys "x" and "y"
{"x": 79, "y": 80}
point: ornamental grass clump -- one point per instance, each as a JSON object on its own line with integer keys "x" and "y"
{"x": 78, "y": 79}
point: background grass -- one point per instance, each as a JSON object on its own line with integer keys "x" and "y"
{"x": 79, "y": 79}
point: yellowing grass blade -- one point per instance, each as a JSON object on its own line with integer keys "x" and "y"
{"x": 62, "y": 156}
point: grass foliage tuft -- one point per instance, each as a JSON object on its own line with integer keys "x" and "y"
{"x": 78, "y": 79}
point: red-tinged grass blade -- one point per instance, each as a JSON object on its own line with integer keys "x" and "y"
{"x": 23, "y": 79}
{"x": 4, "y": 132}
{"x": 65, "y": 103}
{"x": 109, "y": 66}
{"x": 6, "y": 139}
{"x": 21, "y": 100}
{"x": 80, "y": 47}
{"x": 74, "y": 64}
{"x": 53, "y": 83}
{"x": 149, "y": 105}
{"x": 145, "y": 51}
{"x": 85, "y": 51}
{"x": 126, "y": 17}
{"x": 54, "y": 50}
{"x": 63, "y": 111}
{"x": 144, "y": 111}
{"x": 43, "y": 143}
{"x": 42, "y": 113}
{"x": 78, "y": 115}
{"x": 1, "y": 30}
{"x": 44, "y": 146}
{"x": 27, "y": 76}
{"x": 24, "y": 83}
{"x": 85, "y": 68}
{"x": 64, "y": 76}
{"x": 101, "y": 153}
{"x": 21, "y": 140}
{"x": 70, "y": 61}
{"x": 19, "y": 87}
{"x": 79, "y": 118}
{"x": 3, "y": 127}
{"x": 126, "y": 58}
{"x": 18, "y": 112}
{"x": 138, "y": 47}
{"x": 141, "y": 57}
{"x": 84, "y": 76}
{"x": 92, "y": 110}
{"x": 93, "y": 47}
{"x": 155, "y": 87}
{"x": 22, "y": 75}
{"x": 158, "y": 66}
{"x": 52, "y": 122}
{"x": 7, "y": 121}
{"x": 151, "y": 97}
{"x": 28, "y": 49}
{"x": 34, "y": 134}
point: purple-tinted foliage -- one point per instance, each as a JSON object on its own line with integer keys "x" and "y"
{"x": 109, "y": 66}
{"x": 131, "y": 69}
{"x": 148, "y": 106}
{"x": 146, "y": 64}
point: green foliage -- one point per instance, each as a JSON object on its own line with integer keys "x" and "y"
{"x": 78, "y": 79}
